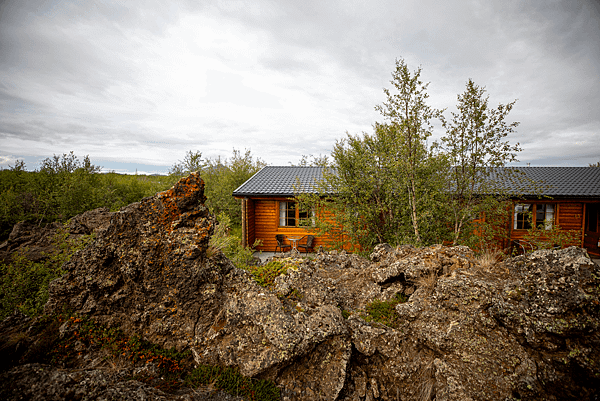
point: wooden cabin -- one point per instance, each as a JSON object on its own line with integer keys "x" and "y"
{"x": 566, "y": 196}
{"x": 268, "y": 206}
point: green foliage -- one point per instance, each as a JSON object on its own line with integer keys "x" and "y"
{"x": 409, "y": 126}
{"x": 314, "y": 161}
{"x": 266, "y": 274}
{"x": 192, "y": 162}
{"x": 24, "y": 283}
{"x": 222, "y": 177}
{"x": 384, "y": 312}
{"x": 64, "y": 187}
{"x": 120, "y": 190}
{"x": 387, "y": 185}
{"x": 68, "y": 187}
{"x": 224, "y": 240}
{"x": 475, "y": 145}
{"x": 230, "y": 380}
{"x": 555, "y": 237}
{"x": 391, "y": 186}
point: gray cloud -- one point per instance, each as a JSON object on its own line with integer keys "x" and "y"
{"x": 146, "y": 81}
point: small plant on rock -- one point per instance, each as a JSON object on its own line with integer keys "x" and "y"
{"x": 427, "y": 281}
{"x": 230, "y": 380}
{"x": 265, "y": 274}
{"x": 384, "y": 312}
{"x": 489, "y": 259}
{"x": 223, "y": 240}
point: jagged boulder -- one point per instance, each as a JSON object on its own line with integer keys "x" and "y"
{"x": 147, "y": 271}
{"x": 526, "y": 328}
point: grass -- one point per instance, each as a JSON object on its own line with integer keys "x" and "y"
{"x": 24, "y": 283}
{"x": 427, "y": 281}
{"x": 384, "y": 312}
{"x": 231, "y": 381}
{"x": 489, "y": 261}
{"x": 265, "y": 275}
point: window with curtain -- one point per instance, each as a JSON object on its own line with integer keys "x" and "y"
{"x": 287, "y": 214}
{"x": 544, "y": 216}
{"x": 526, "y": 212}
{"x": 291, "y": 216}
{"x": 522, "y": 220}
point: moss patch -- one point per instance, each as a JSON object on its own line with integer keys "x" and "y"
{"x": 384, "y": 312}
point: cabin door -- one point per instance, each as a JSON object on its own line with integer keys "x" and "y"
{"x": 591, "y": 233}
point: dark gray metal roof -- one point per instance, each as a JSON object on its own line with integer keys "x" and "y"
{"x": 281, "y": 181}
{"x": 549, "y": 181}
{"x": 552, "y": 181}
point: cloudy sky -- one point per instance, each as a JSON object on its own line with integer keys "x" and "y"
{"x": 135, "y": 85}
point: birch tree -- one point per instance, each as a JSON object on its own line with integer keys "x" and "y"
{"x": 476, "y": 143}
{"x": 409, "y": 117}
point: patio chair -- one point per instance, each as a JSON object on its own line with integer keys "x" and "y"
{"x": 280, "y": 243}
{"x": 308, "y": 245}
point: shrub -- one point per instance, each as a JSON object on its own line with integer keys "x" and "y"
{"x": 64, "y": 186}
{"x": 24, "y": 283}
{"x": 384, "y": 312}
{"x": 555, "y": 237}
{"x": 265, "y": 274}
{"x": 223, "y": 240}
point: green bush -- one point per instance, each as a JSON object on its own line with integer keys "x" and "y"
{"x": 222, "y": 177}
{"x": 120, "y": 190}
{"x": 224, "y": 240}
{"x": 24, "y": 283}
{"x": 64, "y": 187}
{"x": 384, "y": 312}
{"x": 266, "y": 274}
{"x": 554, "y": 237}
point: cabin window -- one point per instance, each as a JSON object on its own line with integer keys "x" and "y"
{"x": 290, "y": 215}
{"x": 523, "y": 216}
{"x": 525, "y": 212}
{"x": 287, "y": 214}
{"x": 544, "y": 216}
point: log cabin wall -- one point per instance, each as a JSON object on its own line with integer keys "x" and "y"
{"x": 568, "y": 214}
{"x": 265, "y": 225}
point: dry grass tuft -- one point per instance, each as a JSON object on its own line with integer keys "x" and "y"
{"x": 427, "y": 281}
{"x": 490, "y": 261}
{"x": 426, "y": 380}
